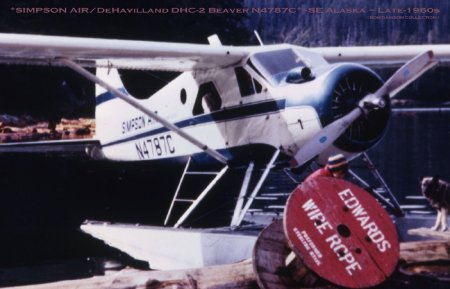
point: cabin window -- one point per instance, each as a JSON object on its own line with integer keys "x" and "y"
{"x": 208, "y": 99}
{"x": 183, "y": 96}
{"x": 247, "y": 84}
{"x": 277, "y": 63}
{"x": 258, "y": 86}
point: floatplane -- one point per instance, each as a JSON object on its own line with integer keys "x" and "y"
{"x": 266, "y": 106}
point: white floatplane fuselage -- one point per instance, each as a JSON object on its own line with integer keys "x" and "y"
{"x": 248, "y": 106}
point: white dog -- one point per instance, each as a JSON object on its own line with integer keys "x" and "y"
{"x": 437, "y": 193}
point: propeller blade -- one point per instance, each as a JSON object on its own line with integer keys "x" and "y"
{"x": 409, "y": 72}
{"x": 398, "y": 89}
{"x": 325, "y": 138}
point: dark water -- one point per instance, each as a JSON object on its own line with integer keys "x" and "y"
{"x": 417, "y": 144}
{"x": 45, "y": 198}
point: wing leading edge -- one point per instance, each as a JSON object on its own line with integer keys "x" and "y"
{"x": 382, "y": 55}
{"x": 127, "y": 54}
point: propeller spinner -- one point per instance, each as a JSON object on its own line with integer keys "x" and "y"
{"x": 399, "y": 80}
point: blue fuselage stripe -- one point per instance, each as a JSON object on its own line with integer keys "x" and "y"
{"x": 226, "y": 114}
{"x": 107, "y": 96}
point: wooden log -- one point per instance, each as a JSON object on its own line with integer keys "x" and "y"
{"x": 427, "y": 232}
{"x": 425, "y": 251}
{"x": 232, "y": 276}
{"x": 429, "y": 260}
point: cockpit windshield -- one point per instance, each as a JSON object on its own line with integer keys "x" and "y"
{"x": 275, "y": 64}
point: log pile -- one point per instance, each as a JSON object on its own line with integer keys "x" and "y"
{"x": 240, "y": 275}
{"x": 22, "y": 129}
{"x": 424, "y": 251}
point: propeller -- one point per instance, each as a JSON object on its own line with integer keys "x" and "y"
{"x": 399, "y": 80}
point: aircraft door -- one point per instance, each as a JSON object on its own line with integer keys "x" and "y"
{"x": 207, "y": 100}
{"x": 248, "y": 85}
{"x": 303, "y": 123}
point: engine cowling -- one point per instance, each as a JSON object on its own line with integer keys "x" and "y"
{"x": 351, "y": 84}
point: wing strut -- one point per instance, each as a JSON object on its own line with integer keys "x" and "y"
{"x": 239, "y": 212}
{"x": 79, "y": 69}
{"x": 202, "y": 195}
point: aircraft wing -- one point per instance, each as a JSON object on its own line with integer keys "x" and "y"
{"x": 382, "y": 55}
{"x": 126, "y": 54}
{"x": 150, "y": 55}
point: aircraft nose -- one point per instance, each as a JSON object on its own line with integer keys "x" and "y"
{"x": 348, "y": 91}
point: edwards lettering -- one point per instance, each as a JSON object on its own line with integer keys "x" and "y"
{"x": 361, "y": 215}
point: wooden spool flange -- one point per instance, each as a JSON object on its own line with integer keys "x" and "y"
{"x": 273, "y": 263}
{"x": 341, "y": 233}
